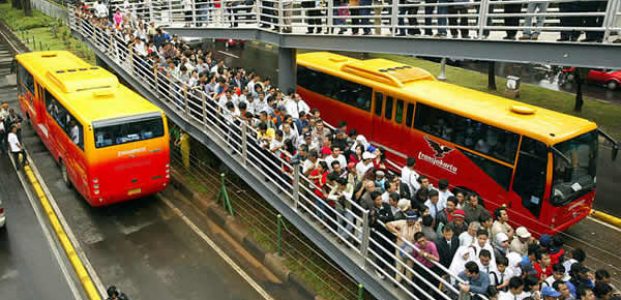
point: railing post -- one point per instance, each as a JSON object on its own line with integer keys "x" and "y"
{"x": 394, "y": 17}
{"x": 186, "y": 107}
{"x": 244, "y": 141}
{"x": 204, "y": 107}
{"x": 296, "y": 185}
{"x": 279, "y": 233}
{"x": 170, "y": 12}
{"x": 483, "y": 10}
{"x": 280, "y": 18}
{"x": 364, "y": 242}
{"x": 330, "y": 15}
{"x": 194, "y": 12}
{"x": 609, "y": 18}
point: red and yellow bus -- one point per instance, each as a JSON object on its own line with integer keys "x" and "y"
{"x": 539, "y": 163}
{"x": 111, "y": 144}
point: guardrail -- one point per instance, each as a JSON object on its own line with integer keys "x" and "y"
{"x": 351, "y": 225}
{"x": 553, "y": 19}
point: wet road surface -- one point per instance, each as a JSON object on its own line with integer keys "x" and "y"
{"x": 147, "y": 250}
{"x": 29, "y": 268}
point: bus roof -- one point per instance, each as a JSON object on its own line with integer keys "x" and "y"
{"x": 91, "y": 93}
{"x": 545, "y": 125}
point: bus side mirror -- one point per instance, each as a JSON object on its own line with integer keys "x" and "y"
{"x": 614, "y": 152}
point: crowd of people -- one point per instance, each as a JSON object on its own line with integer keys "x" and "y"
{"x": 367, "y": 16}
{"x": 433, "y": 230}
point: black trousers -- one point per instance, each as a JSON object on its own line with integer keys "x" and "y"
{"x": 429, "y": 12}
{"x": 570, "y": 21}
{"x": 18, "y": 163}
{"x": 512, "y": 21}
{"x": 597, "y": 6}
{"x": 463, "y": 21}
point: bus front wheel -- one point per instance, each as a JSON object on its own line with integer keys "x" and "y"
{"x": 65, "y": 175}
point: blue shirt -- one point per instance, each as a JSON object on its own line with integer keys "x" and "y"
{"x": 478, "y": 285}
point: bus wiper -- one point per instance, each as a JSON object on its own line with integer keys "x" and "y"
{"x": 560, "y": 154}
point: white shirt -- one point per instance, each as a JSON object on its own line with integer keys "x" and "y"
{"x": 140, "y": 49}
{"x": 308, "y": 165}
{"x": 75, "y": 134}
{"x": 101, "y": 11}
{"x": 295, "y": 107}
{"x": 341, "y": 159}
{"x": 443, "y": 196}
{"x": 508, "y": 296}
{"x": 14, "y": 142}
{"x": 465, "y": 239}
{"x": 433, "y": 211}
{"x": 362, "y": 169}
{"x": 410, "y": 177}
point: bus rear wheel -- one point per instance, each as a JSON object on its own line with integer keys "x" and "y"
{"x": 65, "y": 175}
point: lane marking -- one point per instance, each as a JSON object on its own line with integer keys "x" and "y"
{"x": 228, "y": 54}
{"x": 604, "y": 224}
{"x": 48, "y": 236}
{"x": 218, "y": 250}
{"x": 74, "y": 241}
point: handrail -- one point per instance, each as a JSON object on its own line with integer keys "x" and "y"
{"x": 483, "y": 17}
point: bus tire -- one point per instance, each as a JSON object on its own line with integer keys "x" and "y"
{"x": 64, "y": 174}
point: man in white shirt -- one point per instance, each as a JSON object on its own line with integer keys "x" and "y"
{"x": 516, "y": 290}
{"x": 409, "y": 176}
{"x": 101, "y": 11}
{"x": 335, "y": 155}
{"x": 16, "y": 147}
{"x": 443, "y": 189}
{"x": 433, "y": 203}
{"x": 501, "y": 224}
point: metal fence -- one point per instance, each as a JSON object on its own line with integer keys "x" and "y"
{"x": 51, "y": 9}
{"x": 352, "y": 226}
{"x": 480, "y": 19}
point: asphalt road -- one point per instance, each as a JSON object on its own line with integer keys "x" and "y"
{"x": 148, "y": 250}
{"x": 29, "y": 268}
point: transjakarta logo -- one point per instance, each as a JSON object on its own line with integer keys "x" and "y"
{"x": 440, "y": 151}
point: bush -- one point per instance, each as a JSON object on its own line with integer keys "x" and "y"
{"x": 16, "y": 20}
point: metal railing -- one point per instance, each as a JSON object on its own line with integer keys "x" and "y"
{"x": 480, "y": 19}
{"x": 351, "y": 226}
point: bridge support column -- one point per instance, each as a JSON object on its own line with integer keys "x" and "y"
{"x": 286, "y": 69}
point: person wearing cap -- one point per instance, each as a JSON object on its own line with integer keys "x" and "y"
{"x": 404, "y": 206}
{"x": 459, "y": 222}
{"x": 549, "y": 293}
{"x": 520, "y": 244}
{"x": 381, "y": 183}
{"x": 365, "y": 165}
{"x": 501, "y": 224}
{"x": 404, "y": 230}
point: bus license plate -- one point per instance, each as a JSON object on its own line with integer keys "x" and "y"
{"x": 134, "y": 191}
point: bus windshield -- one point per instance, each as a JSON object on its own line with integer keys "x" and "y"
{"x": 574, "y": 174}
{"x": 126, "y": 130}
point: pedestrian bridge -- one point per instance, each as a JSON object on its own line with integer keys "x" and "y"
{"x": 585, "y": 33}
{"x": 352, "y": 243}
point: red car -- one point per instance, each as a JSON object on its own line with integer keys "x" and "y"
{"x": 611, "y": 79}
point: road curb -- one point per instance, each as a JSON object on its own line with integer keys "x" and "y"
{"x": 606, "y": 218}
{"x": 271, "y": 261}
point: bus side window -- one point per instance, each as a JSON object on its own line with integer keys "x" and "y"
{"x": 26, "y": 81}
{"x": 530, "y": 174}
{"x": 379, "y": 101}
{"x": 388, "y": 111}
{"x": 409, "y": 115}
{"x": 399, "y": 111}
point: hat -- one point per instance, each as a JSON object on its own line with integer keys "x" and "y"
{"x": 522, "y": 232}
{"x": 548, "y": 291}
{"x": 403, "y": 204}
{"x": 307, "y": 134}
{"x": 545, "y": 241}
{"x": 411, "y": 215}
{"x": 459, "y": 213}
{"x": 368, "y": 155}
{"x": 379, "y": 173}
{"x": 371, "y": 149}
{"x": 501, "y": 237}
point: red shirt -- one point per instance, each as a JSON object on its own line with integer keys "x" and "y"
{"x": 545, "y": 272}
{"x": 319, "y": 182}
